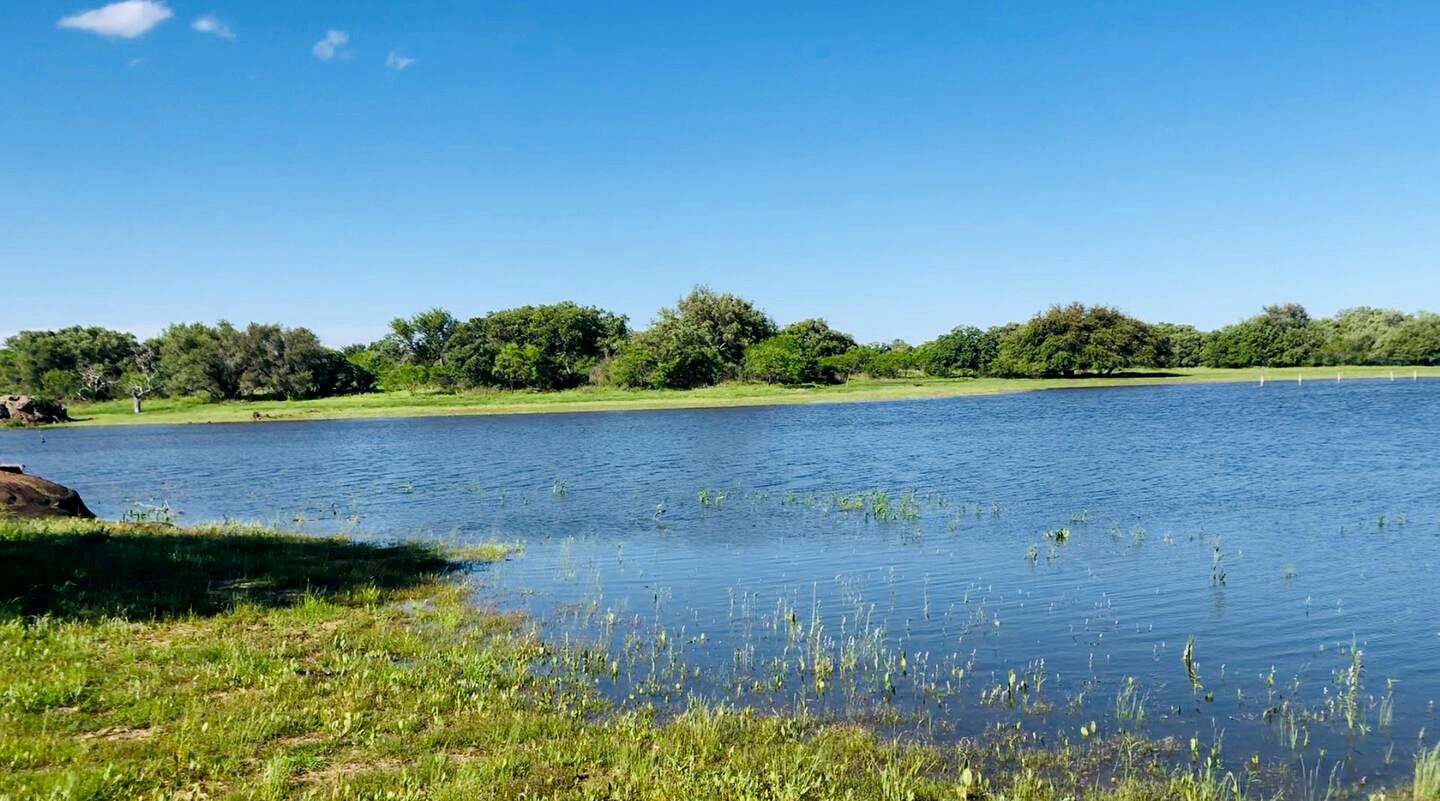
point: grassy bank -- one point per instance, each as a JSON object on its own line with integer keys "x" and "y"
{"x": 593, "y": 399}
{"x": 144, "y": 661}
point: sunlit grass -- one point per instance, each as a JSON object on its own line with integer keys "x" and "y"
{"x": 147, "y": 661}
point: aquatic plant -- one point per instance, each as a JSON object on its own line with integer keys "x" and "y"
{"x": 1130, "y": 704}
{"x": 1427, "y": 775}
{"x": 1192, "y": 671}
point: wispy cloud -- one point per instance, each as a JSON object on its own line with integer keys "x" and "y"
{"x": 127, "y": 19}
{"x": 396, "y": 61}
{"x": 209, "y": 24}
{"x": 332, "y": 45}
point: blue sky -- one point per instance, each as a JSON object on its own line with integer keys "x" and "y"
{"x": 899, "y": 168}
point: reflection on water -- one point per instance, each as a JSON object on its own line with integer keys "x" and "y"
{"x": 935, "y": 566}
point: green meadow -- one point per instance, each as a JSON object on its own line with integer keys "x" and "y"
{"x": 607, "y": 399}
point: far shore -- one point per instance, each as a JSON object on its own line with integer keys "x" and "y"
{"x": 597, "y": 399}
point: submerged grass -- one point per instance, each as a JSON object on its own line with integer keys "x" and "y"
{"x": 415, "y": 404}
{"x": 147, "y": 661}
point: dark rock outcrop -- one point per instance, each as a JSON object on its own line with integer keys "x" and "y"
{"x": 32, "y": 496}
{"x": 26, "y": 409}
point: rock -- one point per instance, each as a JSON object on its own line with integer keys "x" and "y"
{"x": 26, "y": 409}
{"x": 32, "y": 496}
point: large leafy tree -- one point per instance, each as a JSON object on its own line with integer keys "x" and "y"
{"x": 424, "y": 338}
{"x": 731, "y": 323}
{"x": 1280, "y": 336}
{"x": 804, "y": 352}
{"x": 1363, "y": 335}
{"x": 1417, "y": 340}
{"x": 536, "y": 347}
{"x": 79, "y": 362}
{"x": 673, "y": 356}
{"x": 1074, "y": 339}
{"x": 964, "y": 351}
{"x": 200, "y": 359}
{"x": 1177, "y": 345}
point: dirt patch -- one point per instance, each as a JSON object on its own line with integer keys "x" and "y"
{"x": 113, "y": 734}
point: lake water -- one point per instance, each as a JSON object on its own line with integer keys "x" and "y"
{"x": 899, "y": 560}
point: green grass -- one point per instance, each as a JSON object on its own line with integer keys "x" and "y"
{"x": 594, "y": 399}
{"x": 149, "y": 662}
{"x": 1427, "y": 775}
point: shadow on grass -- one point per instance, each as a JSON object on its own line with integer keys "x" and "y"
{"x": 89, "y": 569}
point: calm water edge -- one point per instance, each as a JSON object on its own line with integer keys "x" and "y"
{"x": 901, "y": 560}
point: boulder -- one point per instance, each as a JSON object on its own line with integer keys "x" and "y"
{"x": 25, "y": 409}
{"x": 31, "y": 496}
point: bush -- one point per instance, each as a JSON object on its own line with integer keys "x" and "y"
{"x": 780, "y": 360}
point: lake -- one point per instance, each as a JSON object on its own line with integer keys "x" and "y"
{"x": 936, "y": 567}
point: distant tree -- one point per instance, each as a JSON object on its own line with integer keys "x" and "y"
{"x": 1280, "y": 336}
{"x": 884, "y": 359}
{"x": 1177, "y": 345}
{"x": 805, "y": 352}
{"x": 60, "y": 384}
{"x": 673, "y": 356}
{"x": 560, "y": 344}
{"x": 964, "y": 351}
{"x": 1363, "y": 335}
{"x": 64, "y": 360}
{"x": 290, "y": 363}
{"x": 423, "y": 338}
{"x": 729, "y": 322}
{"x": 518, "y": 365}
{"x": 143, "y": 377}
{"x": 781, "y": 359}
{"x": 816, "y": 338}
{"x": 199, "y": 359}
{"x": 1417, "y": 340}
{"x": 1074, "y": 339}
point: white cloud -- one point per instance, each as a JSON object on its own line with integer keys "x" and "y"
{"x": 209, "y": 24}
{"x": 333, "y": 44}
{"x": 127, "y": 19}
{"x": 395, "y": 61}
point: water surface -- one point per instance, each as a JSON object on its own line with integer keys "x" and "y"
{"x": 737, "y": 554}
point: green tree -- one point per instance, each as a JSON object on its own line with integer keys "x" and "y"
{"x": 781, "y": 359}
{"x": 1074, "y": 339}
{"x": 82, "y": 362}
{"x": 964, "y": 351}
{"x": 816, "y": 338}
{"x": 423, "y": 338}
{"x": 518, "y": 365}
{"x": 565, "y": 340}
{"x": 1363, "y": 335}
{"x": 199, "y": 359}
{"x": 729, "y": 322}
{"x": 1280, "y": 336}
{"x": 1177, "y": 345}
{"x": 673, "y": 356}
{"x": 1417, "y": 340}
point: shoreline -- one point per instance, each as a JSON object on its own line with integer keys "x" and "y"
{"x": 402, "y": 404}
{"x": 300, "y": 664}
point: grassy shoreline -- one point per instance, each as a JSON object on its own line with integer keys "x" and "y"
{"x": 280, "y": 666}
{"x": 593, "y": 399}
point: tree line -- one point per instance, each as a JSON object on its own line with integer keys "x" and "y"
{"x": 707, "y": 337}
